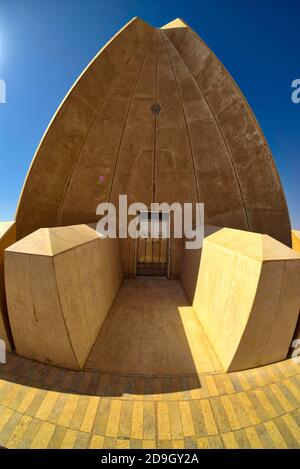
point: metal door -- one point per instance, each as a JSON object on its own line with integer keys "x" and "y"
{"x": 152, "y": 251}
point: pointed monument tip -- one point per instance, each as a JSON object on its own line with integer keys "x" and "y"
{"x": 176, "y": 23}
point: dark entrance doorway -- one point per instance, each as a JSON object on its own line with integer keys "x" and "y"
{"x": 152, "y": 247}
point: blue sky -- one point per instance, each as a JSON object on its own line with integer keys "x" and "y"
{"x": 45, "y": 44}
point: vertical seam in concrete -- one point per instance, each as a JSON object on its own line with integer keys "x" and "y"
{"x": 185, "y": 119}
{"x": 126, "y": 119}
{"x": 277, "y": 312}
{"x": 223, "y": 138}
{"x": 63, "y": 316}
{"x": 59, "y": 213}
{"x": 40, "y": 341}
{"x": 155, "y": 126}
{"x": 255, "y": 121}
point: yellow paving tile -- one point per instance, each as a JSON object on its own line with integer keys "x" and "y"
{"x": 57, "y": 438}
{"x": 293, "y": 388}
{"x": 209, "y": 420}
{"x": 186, "y": 419}
{"x": 215, "y": 442}
{"x": 266, "y": 404}
{"x": 89, "y": 418}
{"x": 10, "y": 396}
{"x": 18, "y": 432}
{"x": 243, "y": 381}
{"x": 123, "y": 444}
{"x": 43, "y": 436}
{"x": 285, "y": 369}
{"x": 69, "y": 439}
{"x": 97, "y": 442}
{"x": 47, "y": 405}
{"x": 68, "y": 411}
{"x": 112, "y": 429}
{"x": 231, "y": 415}
{"x": 239, "y": 410}
{"x": 149, "y": 421}
{"x": 281, "y": 397}
{"x": 253, "y": 438}
{"x": 211, "y": 386}
{"x": 258, "y": 375}
{"x": 177, "y": 444}
{"x": 30, "y": 434}
{"x": 4, "y": 390}
{"x": 292, "y": 426}
{"x": 163, "y": 421}
{"x": 5, "y": 415}
{"x": 196, "y": 393}
{"x": 229, "y": 441}
{"x": 273, "y": 373}
{"x": 175, "y": 421}
{"x": 226, "y": 383}
{"x": 137, "y": 421}
{"x": 125, "y": 419}
{"x": 203, "y": 443}
{"x": 275, "y": 435}
{"x": 27, "y": 400}
{"x": 149, "y": 444}
{"x": 2, "y": 383}
{"x": 249, "y": 408}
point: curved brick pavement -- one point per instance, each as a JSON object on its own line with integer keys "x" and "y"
{"x": 46, "y": 407}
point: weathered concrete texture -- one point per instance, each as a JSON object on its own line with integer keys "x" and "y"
{"x": 60, "y": 284}
{"x": 296, "y": 240}
{"x": 296, "y": 247}
{"x": 227, "y": 141}
{"x": 97, "y": 102}
{"x": 248, "y": 297}
{"x": 203, "y": 145}
{"x": 152, "y": 330}
{"x": 7, "y": 237}
{"x": 190, "y": 265}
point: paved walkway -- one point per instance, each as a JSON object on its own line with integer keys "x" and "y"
{"x": 151, "y": 329}
{"x": 146, "y": 406}
{"x": 251, "y": 409}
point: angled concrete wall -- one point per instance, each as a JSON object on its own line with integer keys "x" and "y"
{"x": 7, "y": 237}
{"x": 190, "y": 265}
{"x": 248, "y": 297}
{"x": 200, "y": 142}
{"x": 296, "y": 247}
{"x": 296, "y": 240}
{"x": 60, "y": 284}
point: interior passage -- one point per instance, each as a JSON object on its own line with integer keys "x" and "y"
{"x": 152, "y": 329}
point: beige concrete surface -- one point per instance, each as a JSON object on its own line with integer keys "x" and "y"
{"x": 60, "y": 284}
{"x": 190, "y": 265}
{"x": 7, "y": 237}
{"x": 229, "y": 145}
{"x": 203, "y": 145}
{"x": 296, "y": 247}
{"x": 152, "y": 330}
{"x": 296, "y": 240}
{"x": 248, "y": 297}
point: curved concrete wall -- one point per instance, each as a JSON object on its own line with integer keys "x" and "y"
{"x": 203, "y": 145}
{"x": 244, "y": 184}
